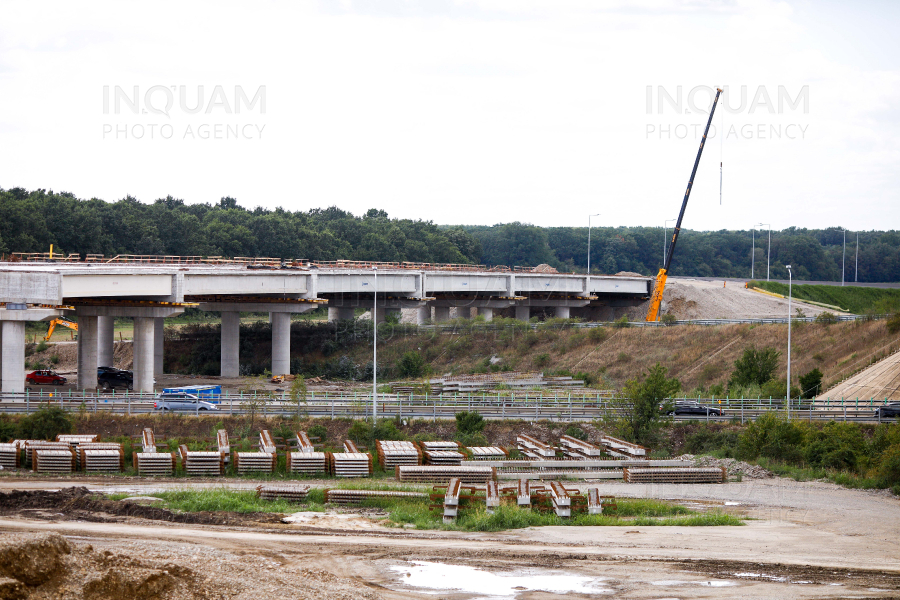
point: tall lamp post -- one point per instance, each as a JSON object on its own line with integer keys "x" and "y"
{"x": 790, "y": 281}
{"x": 752, "y": 250}
{"x": 843, "y": 257}
{"x": 856, "y": 268}
{"x": 589, "y": 242}
{"x": 665, "y": 238}
{"x": 769, "y": 252}
{"x": 375, "y": 349}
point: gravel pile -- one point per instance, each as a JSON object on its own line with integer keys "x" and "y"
{"x": 732, "y": 467}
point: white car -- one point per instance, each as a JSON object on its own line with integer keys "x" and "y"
{"x": 182, "y": 402}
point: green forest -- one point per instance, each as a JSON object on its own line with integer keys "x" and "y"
{"x": 30, "y": 221}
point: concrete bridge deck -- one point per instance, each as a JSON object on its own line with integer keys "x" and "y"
{"x": 149, "y": 291}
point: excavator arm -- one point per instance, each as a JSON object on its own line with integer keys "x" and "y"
{"x": 656, "y": 298}
{"x": 60, "y": 321}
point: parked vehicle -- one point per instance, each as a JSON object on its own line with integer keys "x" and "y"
{"x": 690, "y": 407}
{"x": 887, "y": 411}
{"x": 182, "y": 401}
{"x": 110, "y": 378}
{"x": 44, "y": 378}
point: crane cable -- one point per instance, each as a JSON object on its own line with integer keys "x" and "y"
{"x": 721, "y": 146}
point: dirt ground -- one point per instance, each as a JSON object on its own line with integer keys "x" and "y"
{"x": 696, "y": 299}
{"x": 803, "y": 540}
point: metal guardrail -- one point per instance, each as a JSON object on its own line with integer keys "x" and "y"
{"x": 560, "y": 407}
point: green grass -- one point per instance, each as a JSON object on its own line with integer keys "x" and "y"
{"x": 840, "y": 477}
{"x": 859, "y": 300}
{"x": 643, "y": 512}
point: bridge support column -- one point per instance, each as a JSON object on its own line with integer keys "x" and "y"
{"x": 523, "y": 313}
{"x": 388, "y": 312}
{"x": 144, "y": 329}
{"x": 561, "y": 312}
{"x": 339, "y": 314}
{"x": 463, "y": 312}
{"x": 231, "y": 344}
{"x": 441, "y": 314}
{"x": 88, "y": 351}
{"x": 106, "y": 340}
{"x": 281, "y": 343}
{"x": 487, "y": 313}
{"x": 159, "y": 324}
{"x": 423, "y": 315}
{"x": 12, "y": 356}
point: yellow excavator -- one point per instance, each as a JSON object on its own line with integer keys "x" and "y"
{"x": 59, "y": 321}
{"x": 656, "y": 299}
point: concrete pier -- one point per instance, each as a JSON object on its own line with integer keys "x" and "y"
{"x": 463, "y": 312}
{"x": 12, "y": 356}
{"x": 106, "y": 341}
{"x": 337, "y": 313}
{"x": 523, "y": 313}
{"x": 159, "y": 324}
{"x": 441, "y": 314}
{"x": 88, "y": 352}
{"x": 423, "y": 315}
{"x": 144, "y": 329}
{"x": 281, "y": 343}
{"x": 231, "y": 344}
{"x": 487, "y": 313}
{"x": 561, "y": 312}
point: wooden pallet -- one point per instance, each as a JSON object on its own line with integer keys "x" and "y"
{"x": 291, "y": 493}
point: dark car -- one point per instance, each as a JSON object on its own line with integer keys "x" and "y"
{"x": 887, "y": 411}
{"x": 110, "y": 378}
{"x": 44, "y": 378}
{"x": 694, "y": 408}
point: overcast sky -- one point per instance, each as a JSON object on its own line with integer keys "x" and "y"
{"x": 463, "y": 111}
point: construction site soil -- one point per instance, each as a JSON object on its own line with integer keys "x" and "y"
{"x": 802, "y": 540}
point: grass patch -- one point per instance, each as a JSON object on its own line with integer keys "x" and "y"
{"x": 401, "y": 512}
{"x": 859, "y": 300}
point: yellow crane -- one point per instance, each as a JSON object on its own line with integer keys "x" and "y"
{"x": 656, "y": 299}
{"x": 60, "y": 321}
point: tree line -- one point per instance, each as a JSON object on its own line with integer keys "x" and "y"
{"x": 32, "y": 220}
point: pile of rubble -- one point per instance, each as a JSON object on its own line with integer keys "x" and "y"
{"x": 732, "y": 467}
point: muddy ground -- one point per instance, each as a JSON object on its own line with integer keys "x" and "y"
{"x": 803, "y": 540}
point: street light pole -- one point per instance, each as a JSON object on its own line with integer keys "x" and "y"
{"x": 843, "y": 257}
{"x": 752, "y": 251}
{"x": 375, "y": 349}
{"x": 856, "y": 268}
{"x": 589, "y": 242}
{"x": 790, "y": 281}
{"x": 665, "y": 238}
{"x": 769, "y": 252}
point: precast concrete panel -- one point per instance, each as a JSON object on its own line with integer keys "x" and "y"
{"x": 401, "y": 284}
{"x": 250, "y": 283}
{"x": 91, "y": 286}
{"x": 619, "y": 285}
{"x": 30, "y": 287}
{"x": 464, "y": 283}
{"x": 549, "y": 284}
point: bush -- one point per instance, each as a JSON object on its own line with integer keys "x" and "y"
{"x": 8, "y": 429}
{"x": 319, "y": 431}
{"x": 826, "y": 318}
{"x": 668, "y": 319}
{"x": 576, "y": 432}
{"x": 755, "y": 366}
{"x": 468, "y": 423}
{"x": 771, "y": 436}
{"x": 360, "y": 432}
{"x": 411, "y": 365}
{"x": 889, "y": 468}
{"x": 810, "y": 384}
{"x": 707, "y": 439}
{"x": 642, "y": 419}
{"x": 541, "y": 360}
{"x": 597, "y": 334}
{"x": 893, "y": 323}
{"x": 622, "y": 322}
{"x": 45, "y": 424}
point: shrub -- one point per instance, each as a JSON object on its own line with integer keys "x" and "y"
{"x": 319, "y": 431}
{"x": 811, "y": 383}
{"x": 42, "y": 345}
{"x": 893, "y": 323}
{"x": 411, "y": 365}
{"x": 771, "y": 436}
{"x": 642, "y": 419}
{"x": 542, "y": 360}
{"x": 45, "y": 424}
{"x": 576, "y": 432}
{"x": 667, "y": 319}
{"x": 386, "y": 429}
{"x": 360, "y": 432}
{"x": 755, "y": 366}
{"x": 468, "y": 423}
{"x": 597, "y": 334}
{"x": 622, "y": 357}
{"x": 8, "y": 429}
{"x": 54, "y": 359}
{"x": 826, "y": 318}
{"x": 889, "y": 468}
{"x": 707, "y": 439}
{"x": 622, "y": 322}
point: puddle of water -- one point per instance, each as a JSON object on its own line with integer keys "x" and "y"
{"x": 732, "y": 504}
{"x": 762, "y": 576}
{"x": 707, "y": 583}
{"x": 493, "y": 586}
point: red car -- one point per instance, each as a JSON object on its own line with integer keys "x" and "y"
{"x": 44, "y": 378}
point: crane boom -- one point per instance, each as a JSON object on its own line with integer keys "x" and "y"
{"x": 59, "y": 321}
{"x": 656, "y": 299}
